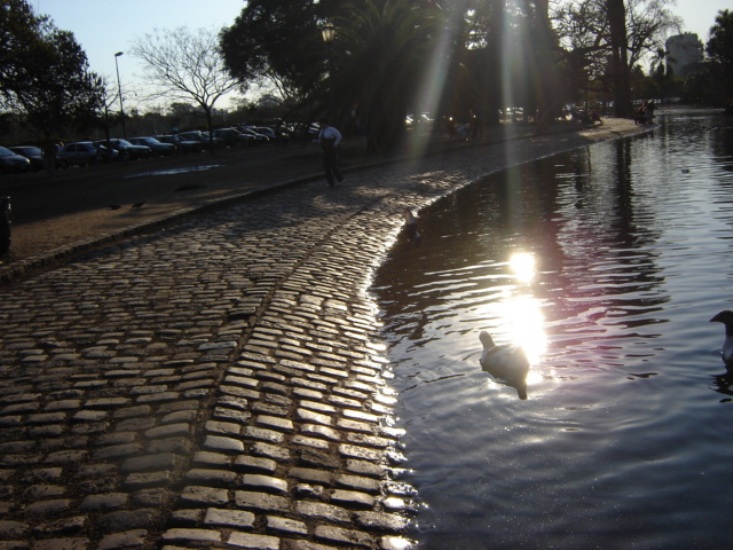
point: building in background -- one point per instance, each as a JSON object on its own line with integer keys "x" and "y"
{"x": 684, "y": 53}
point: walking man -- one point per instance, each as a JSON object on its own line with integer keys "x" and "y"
{"x": 329, "y": 139}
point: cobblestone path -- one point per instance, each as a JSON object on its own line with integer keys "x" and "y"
{"x": 222, "y": 383}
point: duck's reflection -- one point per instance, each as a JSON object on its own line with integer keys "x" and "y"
{"x": 723, "y": 383}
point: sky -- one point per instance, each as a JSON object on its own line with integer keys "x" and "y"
{"x": 104, "y": 27}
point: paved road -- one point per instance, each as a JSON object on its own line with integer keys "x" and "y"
{"x": 221, "y": 383}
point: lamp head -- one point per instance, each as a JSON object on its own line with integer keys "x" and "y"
{"x": 328, "y": 32}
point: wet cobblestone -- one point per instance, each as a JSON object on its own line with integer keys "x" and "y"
{"x": 221, "y": 383}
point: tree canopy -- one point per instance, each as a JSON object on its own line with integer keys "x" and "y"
{"x": 720, "y": 49}
{"x": 44, "y": 73}
{"x": 276, "y": 40}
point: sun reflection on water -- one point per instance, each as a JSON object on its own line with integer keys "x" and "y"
{"x": 521, "y": 312}
{"x": 523, "y": 266}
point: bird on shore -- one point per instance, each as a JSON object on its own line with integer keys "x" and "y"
{"x": 507, "y": 363}
{"x": 413, "y": 231}
{"x": 726, "y": 352}
{"x": 114, "y": 206}
{"x": 138, "y": 204}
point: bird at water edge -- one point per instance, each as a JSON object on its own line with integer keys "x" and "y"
{"x": 138, "y": 204}
{"x": 726, "y": 352}
{"x": 411, "y": 224}
{"x": 509, "y": 363}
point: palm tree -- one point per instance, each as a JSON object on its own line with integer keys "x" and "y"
{"x": 380, "y": 53}
{"x": 660, "y": 70}
{"x": 620, "y": 63}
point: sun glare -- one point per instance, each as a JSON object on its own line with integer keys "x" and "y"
{"x": 523, "y": 267}
{"x": 518, "y": 313}
{"x": 526, "y": 325}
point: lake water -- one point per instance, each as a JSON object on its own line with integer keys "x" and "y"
{"x": 606, "y": 264}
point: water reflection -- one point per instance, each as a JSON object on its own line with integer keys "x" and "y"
{"x": 724, "y": 383}
{"x": 605, "y": 265}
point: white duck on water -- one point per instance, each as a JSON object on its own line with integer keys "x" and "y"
{"x": 508, "y": 363}
{"x": 726, "y": 317}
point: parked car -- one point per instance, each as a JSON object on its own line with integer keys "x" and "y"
{"x": 105, "y": 153}
{"x": 156, "y": 147}
{"x": 182, "y": 145}
{"x": 265, "y": 131}
{"x": 12, "y": 162}
{"x": 203, "y": 137}
{"x": 255, "y": 138}
{"x": 32, "y": 153}
{"x": 83, "y": 153}
{"x": 231, "y": 137}
{"x": 127, "y": 150}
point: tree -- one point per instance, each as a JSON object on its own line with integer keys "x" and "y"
{"x": 18, "y": 26}
{"x": 44, "y": 73}
{"x": 545, "y": 96}
{"x": 660, "y": 72}
{"x": 380, "y": 55}
{"x": 485, "y": 40}
{"x": 720, "y": 50}
{"x": 648, "y": 22}
{"x": 620, "y": 62}
{"x": 187, "y": 66}
{"x": 638, "y": 29}
{"x": 278, "y": 41}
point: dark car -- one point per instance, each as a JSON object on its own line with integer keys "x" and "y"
{"x": 254, "y": 137}
{"x": 32, "y": 153}
{"x": 83, "y": 153}
{"x": 203, "y": 137}
{"x": 156, "y": 147}
{"x": 12, "y": 162}
{"x": 265, "y": 131}
{"x": 231, "y": 137}
{"x": 127, "y": 150}
{"x": 182, "y": 145}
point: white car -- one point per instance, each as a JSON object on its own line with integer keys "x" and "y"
{"x": 83, "y": 153}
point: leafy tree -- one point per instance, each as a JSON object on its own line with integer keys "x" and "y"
{"x": 661, "y": 72}
{"x": 380, "y": 55}
{"x": 187, "y": 66}
{"x": 44, "y": 72}
{"x": 720, "y": 50}
{"x": 620, "y": 62}
{"x": 543, "y": 62}
{"x": 485, "y": 35}
{"x": 279, "y": 41}
{"x": 638, "y": 29}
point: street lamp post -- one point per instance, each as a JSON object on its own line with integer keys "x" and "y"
{"x": 119, "y": 91}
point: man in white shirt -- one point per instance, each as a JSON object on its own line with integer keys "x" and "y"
{"x": 329, "y": 138}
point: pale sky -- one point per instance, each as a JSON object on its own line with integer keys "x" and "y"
{"x": 103, "y": 27}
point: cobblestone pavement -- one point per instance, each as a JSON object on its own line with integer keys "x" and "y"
{"x": 221, "y": 383}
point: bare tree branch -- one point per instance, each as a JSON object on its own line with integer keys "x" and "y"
{"x": 186, "y": 66}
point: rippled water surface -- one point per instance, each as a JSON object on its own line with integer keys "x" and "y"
{"x": 606, "y": 265}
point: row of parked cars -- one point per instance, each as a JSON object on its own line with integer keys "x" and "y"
{"x": 25, "y": 158}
